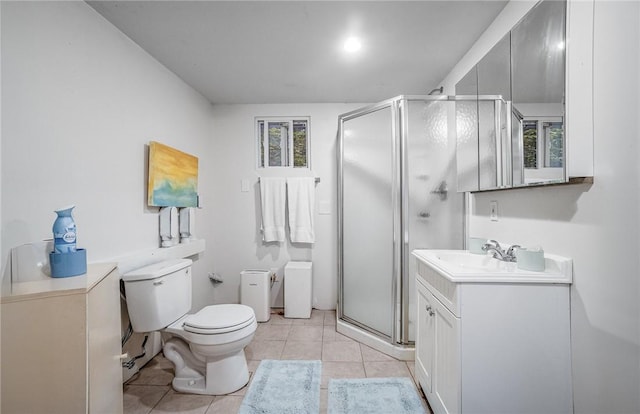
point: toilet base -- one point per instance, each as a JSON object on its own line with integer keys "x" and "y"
{"x": 216, "y": 376}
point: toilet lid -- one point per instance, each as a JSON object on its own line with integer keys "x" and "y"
{"x": 217, "y": 319}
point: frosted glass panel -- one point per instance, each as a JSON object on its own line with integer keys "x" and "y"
{"x": 487, "y": 147}
{"x": 467, "y": 142}
{"x": 517, "y": 150}
{"x": 367, "y": 261}
{"x": 428, "y": 222}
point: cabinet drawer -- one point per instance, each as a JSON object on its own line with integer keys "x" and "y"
{"x": 442, "y": 288}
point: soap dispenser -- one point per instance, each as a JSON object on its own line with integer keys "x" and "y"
{"x": 187, "y": 220}
{"x": 168, "y": 226}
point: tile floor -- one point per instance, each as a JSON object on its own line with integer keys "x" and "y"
{"x": 150, "y": 392}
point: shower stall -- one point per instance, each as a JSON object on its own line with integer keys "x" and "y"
{"x": 396, "y": 193}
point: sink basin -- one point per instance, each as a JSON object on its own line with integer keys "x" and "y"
{"x": 462, "y": 266}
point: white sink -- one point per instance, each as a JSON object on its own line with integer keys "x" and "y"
{"x": 462, "y": 266}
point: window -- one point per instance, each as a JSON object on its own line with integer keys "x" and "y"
{"x": 282, "y": 142}
{"x": 543, "y": 143}
{"x": 530, "y": 143}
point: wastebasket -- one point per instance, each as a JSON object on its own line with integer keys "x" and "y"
{"x": 298, "y": 289}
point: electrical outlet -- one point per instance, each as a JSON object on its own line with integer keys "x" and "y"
{"x": 274, "y": 272}
{"x": 493, "y": 214}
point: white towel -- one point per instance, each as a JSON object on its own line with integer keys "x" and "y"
{"x": 301, "y": 202}
{"x": 273, "y": 195}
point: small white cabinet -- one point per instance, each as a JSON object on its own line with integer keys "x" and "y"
{"x": 497, "y": 347}
{"x": 61, "y": 344}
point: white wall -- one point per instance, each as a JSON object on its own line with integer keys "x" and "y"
{"x": 80, "y": 102}
{"x": 237, "y": 244}
{"x": 597, "y": 225}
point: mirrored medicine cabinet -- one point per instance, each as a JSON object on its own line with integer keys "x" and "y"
{"x": 510, "y": 107}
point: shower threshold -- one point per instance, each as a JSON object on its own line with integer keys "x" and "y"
{"x": 401, "y": 352}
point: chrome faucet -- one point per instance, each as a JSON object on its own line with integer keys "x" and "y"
{"x": 499, "y": 253}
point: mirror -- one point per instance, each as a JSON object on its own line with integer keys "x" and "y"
{"x": 510, "y": 107}
{"x": 483, "y": 99}
{"x": 538, "y": 88}
{"x": 494, "y": 101}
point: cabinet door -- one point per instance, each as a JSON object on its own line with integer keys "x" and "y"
{"x": 105, "y": 370}
{"x": 44, "y": 355}
{"x": 424, "y": 338}
{"x": 446, "y": 362}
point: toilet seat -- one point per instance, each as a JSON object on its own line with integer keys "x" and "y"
{"x": 216, "y": 325}
{"x": 219, "y": 319}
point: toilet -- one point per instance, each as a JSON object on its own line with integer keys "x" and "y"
{"x": 207, "y": 347}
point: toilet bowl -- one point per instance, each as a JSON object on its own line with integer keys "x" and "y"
{"x": 206, "y": 347}
{"x": 216, "y": 337}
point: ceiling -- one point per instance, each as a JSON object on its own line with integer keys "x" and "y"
{"x": 237, "y": 52}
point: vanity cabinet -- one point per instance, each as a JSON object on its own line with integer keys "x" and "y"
{"x": 61, "y": 344}
{"x": 493, "y": 346}
{"x": 437, "y": 361}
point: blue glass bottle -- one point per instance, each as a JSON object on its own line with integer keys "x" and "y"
{"x": 64, "y": 231}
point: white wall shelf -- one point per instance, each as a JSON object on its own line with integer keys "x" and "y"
{"x": 145, "y": 257}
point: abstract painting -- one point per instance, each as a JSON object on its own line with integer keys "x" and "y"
{"x": 173, "y": 177}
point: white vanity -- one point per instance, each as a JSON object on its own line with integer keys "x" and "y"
{"x": 492, "y": 338}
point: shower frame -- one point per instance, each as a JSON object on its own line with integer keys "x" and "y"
{"x": 397, "y": 344}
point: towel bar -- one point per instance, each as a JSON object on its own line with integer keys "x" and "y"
{"x": 317, "y": 179}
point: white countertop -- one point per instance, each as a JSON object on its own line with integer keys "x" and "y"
{"x": 460, "y": 266}
{"x": 48, "y": 287}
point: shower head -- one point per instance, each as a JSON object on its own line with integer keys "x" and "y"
{"x": 439, "y": 90}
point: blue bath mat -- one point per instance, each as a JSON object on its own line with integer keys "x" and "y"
{"x": 284, "y": 387}
{"x": 374, "y": 395}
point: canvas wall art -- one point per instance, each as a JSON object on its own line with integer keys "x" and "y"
{"x": 173, "y": 177}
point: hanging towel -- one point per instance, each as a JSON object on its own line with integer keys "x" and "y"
{"x": 301, "y": 202}
{"x": 273, "y": 195}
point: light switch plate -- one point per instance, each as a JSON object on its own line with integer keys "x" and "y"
{"x": 324, "y": 207}
{"x": 493, "y": 210}
{"x": 245, "y": 185}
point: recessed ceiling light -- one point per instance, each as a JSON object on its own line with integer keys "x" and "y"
{"x": 352, "y": 45}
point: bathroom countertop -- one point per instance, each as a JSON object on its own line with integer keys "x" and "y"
{"x": 461, "y": 266}
{"x": 50, "y": 287}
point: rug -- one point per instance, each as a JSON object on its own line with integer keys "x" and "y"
{"x": 283, "y": 387}
{"x": 374, "y": 395}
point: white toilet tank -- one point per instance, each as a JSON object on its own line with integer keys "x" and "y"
{"x": 158, "y": 294}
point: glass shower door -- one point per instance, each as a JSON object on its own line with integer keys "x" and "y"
{"x": 370, "y": 250}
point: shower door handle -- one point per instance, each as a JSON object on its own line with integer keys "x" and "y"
{"x": 428, "y": 309}
{"x": 441, "y": 191}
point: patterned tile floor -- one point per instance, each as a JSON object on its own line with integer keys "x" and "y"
{"x": 150, "y": 392}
